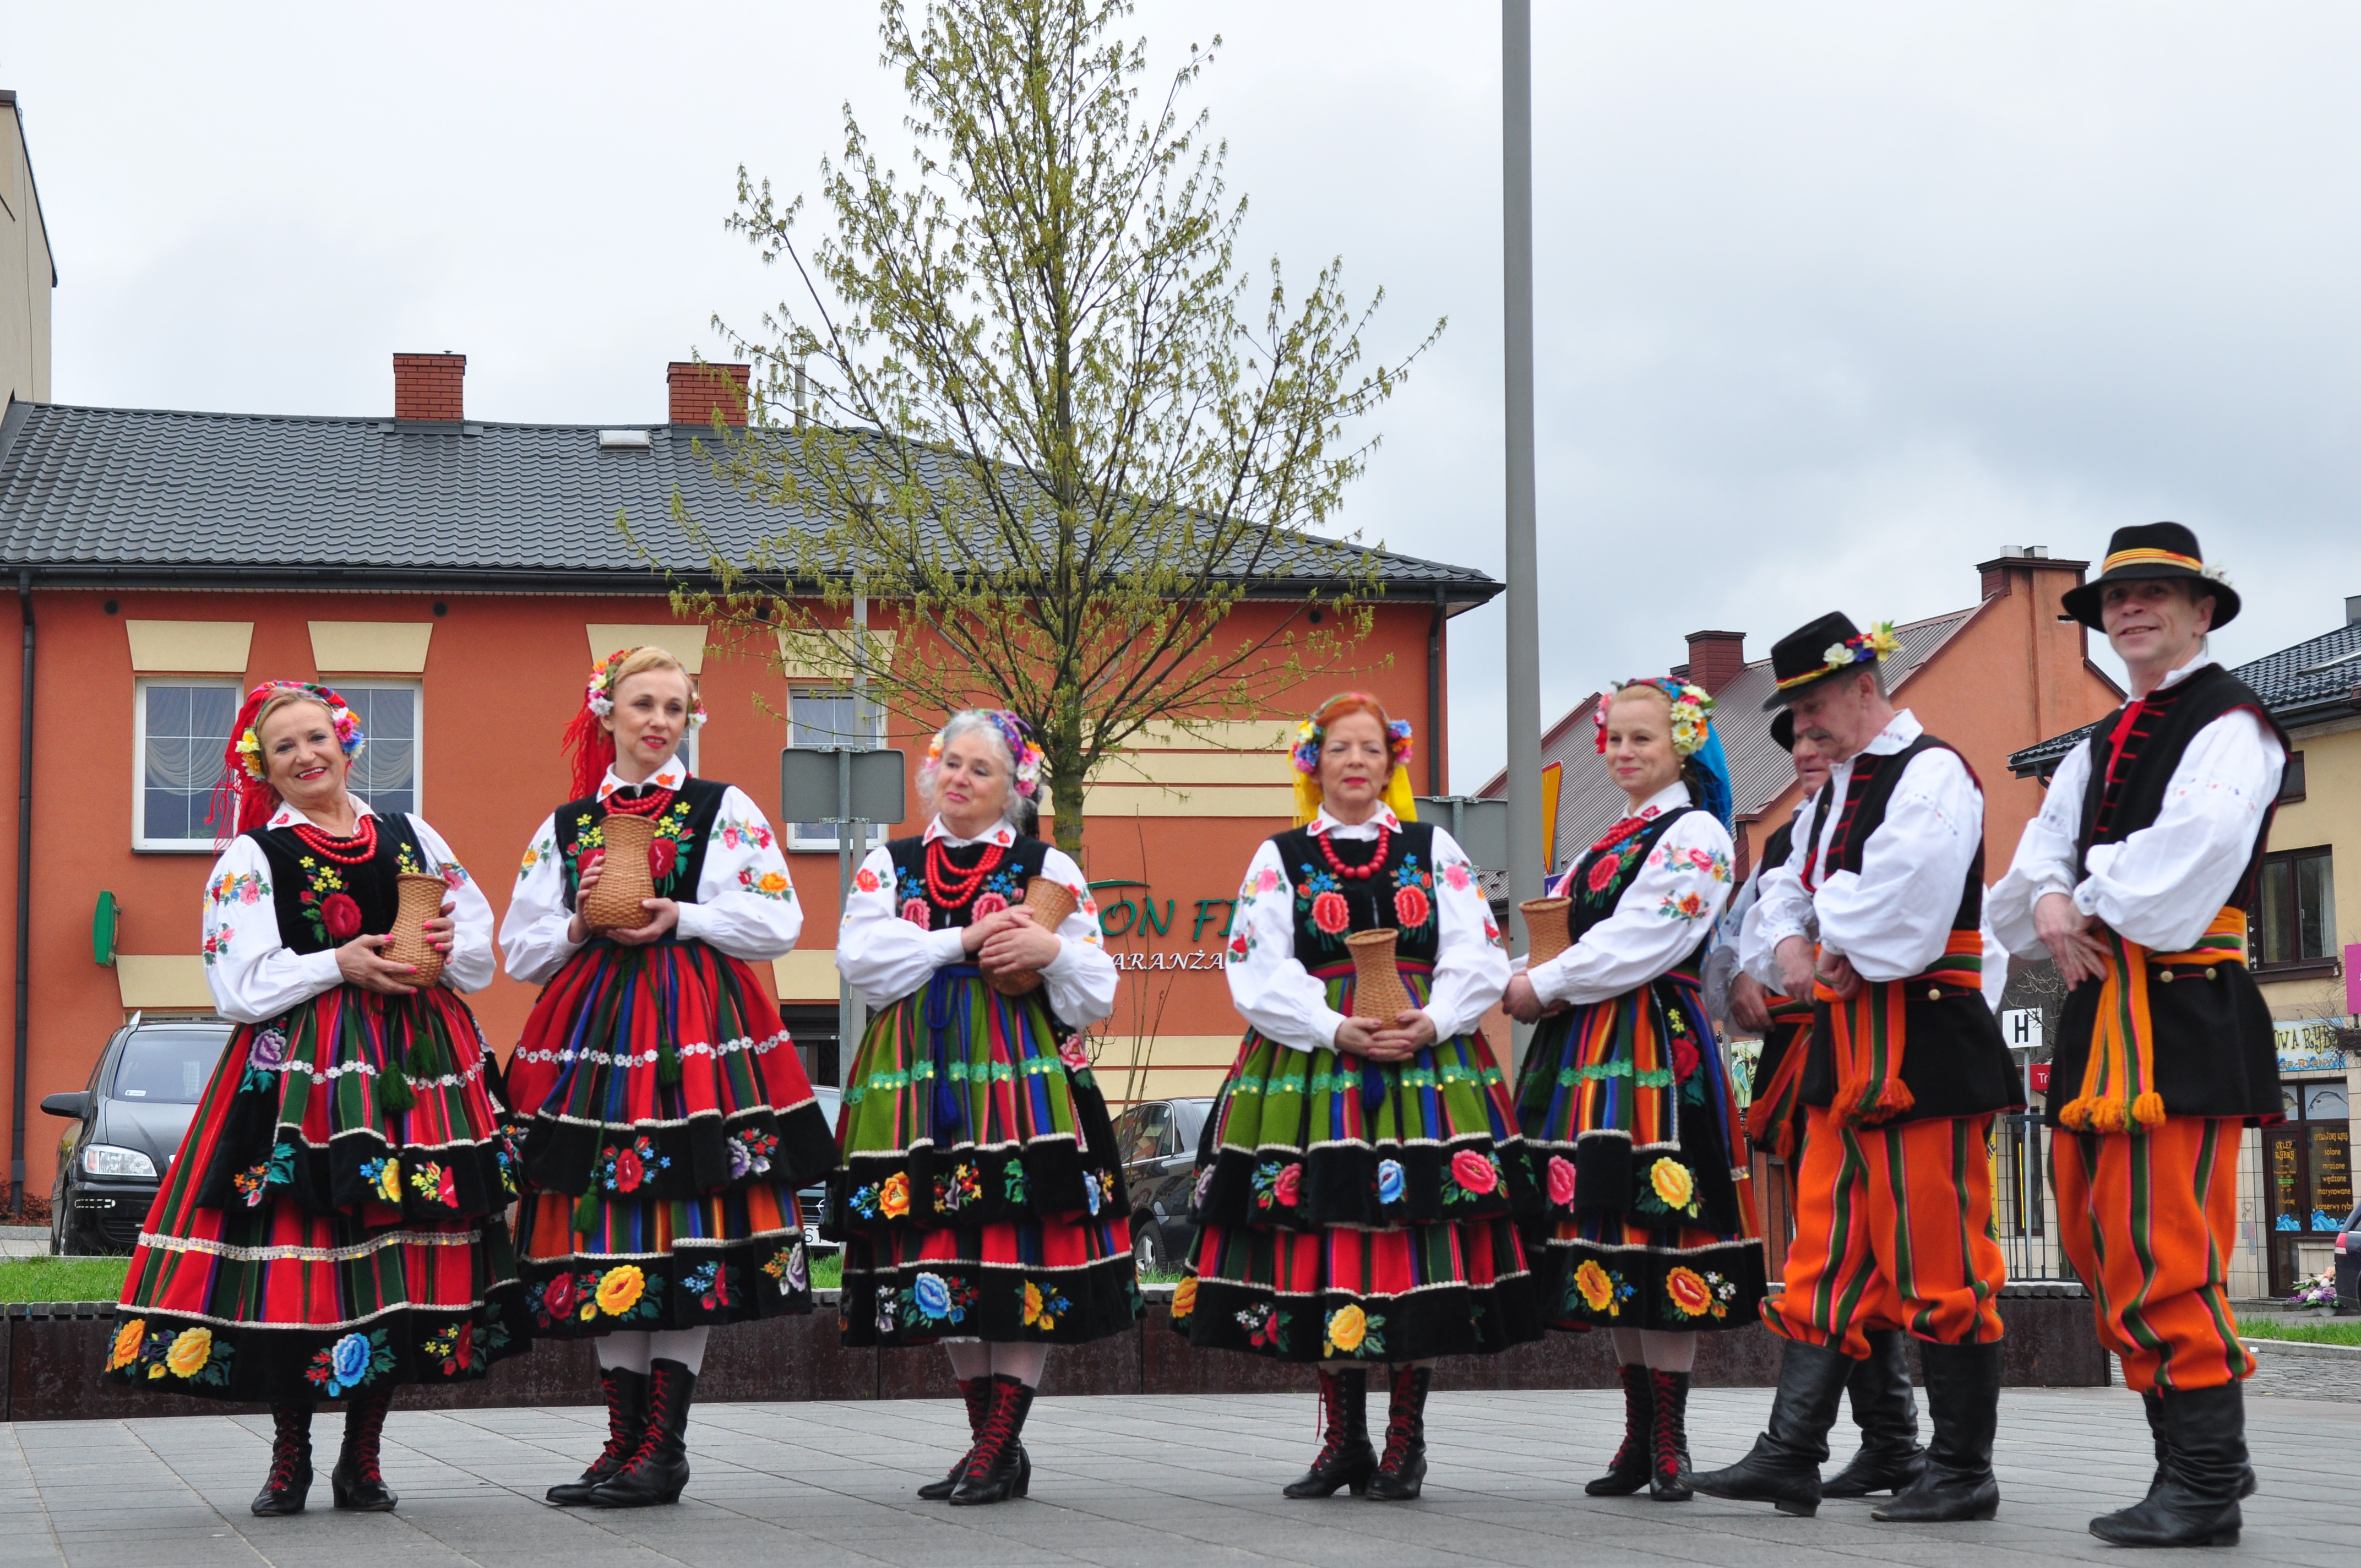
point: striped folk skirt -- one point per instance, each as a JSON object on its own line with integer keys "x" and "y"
{"x": 1359, "y": 1210}
{"x": 667, "y": 1127}
{"x": 309, "y": 1240}
{"x": 980, "y": 1194}
{"x": 1627, "y": 1107}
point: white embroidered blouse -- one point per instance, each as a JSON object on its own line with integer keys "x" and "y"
{"x": 886, "y": 958}
{"x": 252, "y": 972}
{"x": 1276, "y": 994}
{"x": 744, "y": 905}
{"x": 1667, "y": 908}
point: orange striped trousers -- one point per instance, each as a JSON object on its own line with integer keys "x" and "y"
{"x": 1894, "y": 1230}
{"x": 2147, "y": 1219}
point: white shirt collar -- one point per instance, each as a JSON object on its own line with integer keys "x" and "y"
{"x": 1900, "y": 732}
{"x": 672, "y": 775}
{"x": 1382, "y": 817}
{"x": 287, "y": 815}
{"x": 1672, "y": 795}
{"x": 2174, "y": 677}
{"x": 1000, "y": 833}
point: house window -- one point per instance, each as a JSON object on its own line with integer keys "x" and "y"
{"x": 2292, "y": 780}
{"x": 2295, "y": 911}
{"x": 386, "y": 773}
{"x": 183, "y": 727}
{"x": 823, "y": 716}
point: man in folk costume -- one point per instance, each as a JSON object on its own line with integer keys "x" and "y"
{"x": 1906, "y": 1068}
{"x": 2135, "y": 879}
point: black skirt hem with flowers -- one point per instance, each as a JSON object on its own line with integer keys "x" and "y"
{"x": 924, "y": 1188}
{"x": 1369, "y": 1184}
{"x": 172, "y": 1353}
{"x": 960, "y": 1292}
{"x": 1587, "y": 1285}
{"x": 692, "y": 1285}
{"x": 1321, "y": 1327}
{"x": 703, "y": 1152}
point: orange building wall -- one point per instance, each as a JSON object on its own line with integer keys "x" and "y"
{"x": 503, "y": 677}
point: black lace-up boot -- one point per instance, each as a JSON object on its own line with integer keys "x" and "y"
{"x": 1401, "y": 1470}
{"x": 1887, "y": 1413}
{"x": 1627, "y": 1471}
{"x": 1784, "y": 1469}
{"x": 627, "y": 1420}
{"x": 1346, "y": 1458}
{"x": 995, "y": 1469}
{"x": 977, "y": 1394}
{"x": 1668, "y": 1455}
{"x": 357, "y": 1483}
{"x": 658, "y": 1468}
{"x": 291, "y": 1461}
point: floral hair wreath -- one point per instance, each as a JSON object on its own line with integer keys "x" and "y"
{"x": 1871, "y": 646}
{"x": 249, "y": 744}
{"x": 1020, "y": 746}
{"x": 1309, "y": 735}
{"x": 1692, "y": 708}
{"x": 601, "y": 692}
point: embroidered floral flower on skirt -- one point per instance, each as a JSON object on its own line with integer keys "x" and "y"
{"x": 1628, "y": 1108}
{"x": 668, "y": 1127}
{"x": 1356, "y": 1210}
{"x": 980, "y": 1193}
{"x": 311, "y": 1239}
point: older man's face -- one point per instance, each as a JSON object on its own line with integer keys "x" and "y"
{"x": 1840, "y": 717}
{"x": 1811, "y": 764}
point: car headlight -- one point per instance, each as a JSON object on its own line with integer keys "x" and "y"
{"x": 105, "y": 1159}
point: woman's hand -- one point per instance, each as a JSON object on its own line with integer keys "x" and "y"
{"x": 1520, "y": 1001}
{"x": 2065, "y": 931}
{"x": 976, "y": 933}
{"x": 361, "y": 964}
{"x": 663, "y": 914}
{"x": 578, "y": 930}
{"x": 1410, "y": 1032}
{"x": 1020, "y": 944}
{"x": 438, "y": 931}
{"x": 1356, "y": 1038}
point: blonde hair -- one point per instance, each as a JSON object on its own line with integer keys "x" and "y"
{"x": 641, "y": 662}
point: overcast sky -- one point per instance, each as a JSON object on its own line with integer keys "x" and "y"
{"x": 1834, "y": 300}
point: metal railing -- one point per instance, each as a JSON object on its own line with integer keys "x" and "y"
{"x": 2024, "y": 1211}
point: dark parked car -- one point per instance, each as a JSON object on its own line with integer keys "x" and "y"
{"x": 1158, "y": 1141}
{"x": 831, "y": 1100}
{"x": 2348, "y": 1264}
{"x": 127, "y": 1126}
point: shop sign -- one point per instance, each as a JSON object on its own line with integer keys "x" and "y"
{"x": 2310, "y": 1044}
{"x": 1141, "y": 914}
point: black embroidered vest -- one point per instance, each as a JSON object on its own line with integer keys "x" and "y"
{"x": 1016, "y": 865}
{"x": 1955, "y": 1062}
{"x": 677, "y": 857}
{"x": 1330, "y": 906}
{"x": 322, "y": 903}
{"x": 2215, "y": 1053}
{"x": 1608, "y": 867}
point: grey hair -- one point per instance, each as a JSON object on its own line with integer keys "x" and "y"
{"x": 1020, "y": 811}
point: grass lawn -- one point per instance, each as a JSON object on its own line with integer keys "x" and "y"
{"x": 827, "y": 1270}
{"x": 2319, "y": 1330}
{"x": 62, "y": 1279}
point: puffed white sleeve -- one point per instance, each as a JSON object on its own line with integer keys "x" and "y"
{"x": 885, "y": 955}
{"x": 470, "y": 966}
{"x": 1271, "y": 990}
{"x": 2044, "y": 860}
{"x": 533, "y": 938}
{"x": 248, "y": 967}
{"x": 1893, "y": 917}
{"x": 1471, "y": 969}
{"x": 1667, "y": 908}
{"x": 1783, "y": 905}
{"x": 746, "y": 904}
{"x": 2162, "y": 886}
{"x": 1081, "y": 978}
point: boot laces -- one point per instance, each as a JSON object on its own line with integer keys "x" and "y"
{"x": 999, "y": 1432}
{"x": 1639, "y": 1413}
{"x": 1402, "y": 1423}
{"x": 368, "y": 1427}
{"x": 1667, "y": 1446}
{"x": 1332, "y": 1421}
{"x": 286, "y": 1451}
{"x": 662, "y": 1391}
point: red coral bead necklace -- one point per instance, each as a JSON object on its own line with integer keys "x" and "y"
{"x": 1357, "y": 874}
{"x": 649, "y": 805}
{"x": 948, "y": 887}
{"x": 360, "y": 846}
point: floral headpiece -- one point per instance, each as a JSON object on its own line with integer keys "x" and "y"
{"x": 249, "y": 745}
{"x": 599, "y": 695}
{"x": 1012, "y": 732}
{"x": 1691, "y": 709}
{"x": 1867, "y": 647}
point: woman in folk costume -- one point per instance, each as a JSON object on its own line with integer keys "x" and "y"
{"x": 980, "y": 1195}
{"x": 667, "y": 1124}
{"x": 1361, "y": 1175}
{"x": 331, "y": 1226}
{"x": 1625, "y": 1096}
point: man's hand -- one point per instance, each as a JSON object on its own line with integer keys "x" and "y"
{"x": 1747, "y": 1008}
{"x": 1794, "y": 957}
{"x": 1836, "y": 973}
{"x": 2067, "y": 932}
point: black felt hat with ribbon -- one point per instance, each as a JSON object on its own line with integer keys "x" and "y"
{"x": 2150, "y": 550}
{"x": 1807, "y": 657}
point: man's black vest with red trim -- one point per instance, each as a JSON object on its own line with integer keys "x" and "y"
{"x": 2214, "y": 1051}
{"x": 1954, "y": 1062}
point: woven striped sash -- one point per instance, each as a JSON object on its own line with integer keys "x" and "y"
{"x": 1869, "y": 1032}
{"x": 2118, "y": 1092}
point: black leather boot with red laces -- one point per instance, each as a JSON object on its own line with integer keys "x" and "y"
{"x": 356, "y": 1483}
{"x": 1401, "y": 1470}
{"x": 658, "y": 1468}
{"x": 1627, "y": 1471}
{"x": 291, "y": 1461}
{"x": 977, "y": 1392}
{"x": 1346, "y": 1458}
{"x": 997, "y": 1469}
{"x": 627, "y": 1420}
{"x": 1668, "y": 1470}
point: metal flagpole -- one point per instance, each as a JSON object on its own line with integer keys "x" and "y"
{"x": 1524, "y": 696}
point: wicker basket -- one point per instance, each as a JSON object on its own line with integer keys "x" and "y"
{"x": 422, "y": 898}
{"x": 625, "y": 878}
{"x": 1546, "y": 928}
{"x": 1378, "y": 991}
{"x": 1048, "y": 902}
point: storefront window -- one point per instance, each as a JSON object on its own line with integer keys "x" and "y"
{"x": 2308, "y": 1171}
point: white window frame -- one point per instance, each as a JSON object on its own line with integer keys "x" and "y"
{"x": 417, "y": 690}
{"x": 140, "y": 842}
{"x": 827, "y": 844}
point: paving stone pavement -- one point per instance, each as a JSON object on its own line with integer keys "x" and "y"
{"x": 1116, "y": 1480}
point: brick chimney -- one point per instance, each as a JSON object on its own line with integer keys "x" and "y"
{"x": 1715, "y": 659}
{"x": 428, "y": 387}
{"x": 699, "y": 390}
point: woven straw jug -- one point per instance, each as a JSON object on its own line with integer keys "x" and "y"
{"x": 1378, "y": 990}
{"x": 423, "y": 897}
{"x": 614, "y": 904}
{"x": 1546, "y": 928}
{"x": 1048, "y": 902}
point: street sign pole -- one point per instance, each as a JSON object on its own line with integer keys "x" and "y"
{"x": 1524, "y": 695}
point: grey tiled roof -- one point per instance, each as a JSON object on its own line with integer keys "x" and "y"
{"x": 2317, "y": 676}
{"x": 1589, "y": 802}
{"x": 126, "y": 495}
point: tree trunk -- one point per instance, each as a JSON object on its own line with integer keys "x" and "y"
{"x": 1066, "y": 797}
